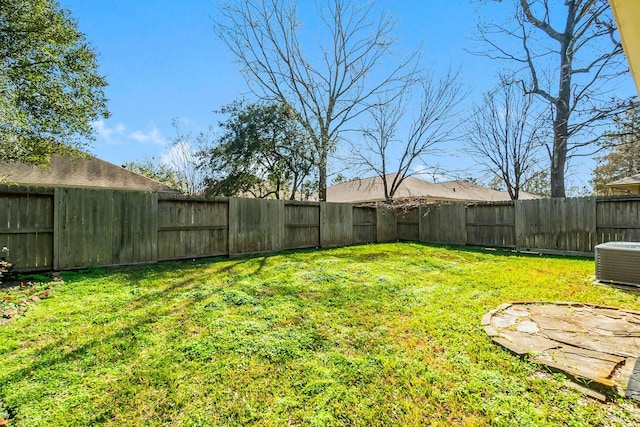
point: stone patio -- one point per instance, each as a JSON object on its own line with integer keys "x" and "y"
{"x": 597, "y": 346}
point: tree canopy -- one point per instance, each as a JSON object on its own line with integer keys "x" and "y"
{"x": 51, "y": 90}
{"x": 157, "y": 170}
{"x": 263, "y": 151}
{"x": 622, "y": 159}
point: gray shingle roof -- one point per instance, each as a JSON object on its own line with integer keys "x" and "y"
{"x": 92, "y": 172}
{"x": 371, "y": 190}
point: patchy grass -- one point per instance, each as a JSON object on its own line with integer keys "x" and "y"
{"x": 383, "y": 334}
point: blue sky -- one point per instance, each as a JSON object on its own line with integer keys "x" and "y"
{"x": 163, "y": 62}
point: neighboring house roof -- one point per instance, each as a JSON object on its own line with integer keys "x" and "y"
{"x": 631, "y": 183}
{"x": 371, "y": 190}
{"x": 64, "y": 171}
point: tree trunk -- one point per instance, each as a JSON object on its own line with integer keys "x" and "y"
{"x": 561, "y": 121}
{"x": 559, "y": 155}
{"x": 322, "y": 176}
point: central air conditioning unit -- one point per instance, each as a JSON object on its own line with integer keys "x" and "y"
{"x": 618, "y": 262}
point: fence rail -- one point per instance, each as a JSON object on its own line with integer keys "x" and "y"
{"x": 66, "y": 228}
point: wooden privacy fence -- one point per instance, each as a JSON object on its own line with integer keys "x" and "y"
{"x": 66, "y": 228}
{"x": 572, "y": 226}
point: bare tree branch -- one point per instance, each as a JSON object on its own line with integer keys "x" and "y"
{"x": 574, "y": 43}
{"x": 432, "y": 123}
{"x": 327, "y": 90}
{"x": 505, "y": 136}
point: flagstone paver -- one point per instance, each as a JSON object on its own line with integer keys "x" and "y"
{"x": 599, "y": 346}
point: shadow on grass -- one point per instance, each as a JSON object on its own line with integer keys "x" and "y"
{"x": 49, "y": 356}
{"x": 145, "y": 308}
{"x": 498, "y": 252}
{"x": 228, "y": 265}
{"x": 156, "y": 303}
{"x": 150, "y": 271}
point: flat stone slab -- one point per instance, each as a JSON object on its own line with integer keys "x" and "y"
{"x": 599, "y": 346}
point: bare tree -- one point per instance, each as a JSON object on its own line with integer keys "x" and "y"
{"x": 183, "y": 160}
{"x": 572, "y": 57}
{"x": 506, "y": 135}
{"x": 327, "y": 85}
{"x": 390, "y": 153}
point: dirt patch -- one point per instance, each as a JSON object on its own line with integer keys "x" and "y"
{"x": 17, "y": 296}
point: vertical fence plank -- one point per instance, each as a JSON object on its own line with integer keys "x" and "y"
{"x": 191, "y": 228}
{"x": 408, "y": 224}
{"x": 336, "y": 224}
{"x": 491, "y": 224}
{"x": 301, "y": 225}
{"x": 563, "y": 225}
{"x": 618, "y": 219}
{"x": 104, "y": 227}
{"x": 364, "y": 224}
{"x": 255, "y": 225}
{"x": 440, "y": 223}
{"x": 386, "y": 225}
{"x": 26, "y": 228}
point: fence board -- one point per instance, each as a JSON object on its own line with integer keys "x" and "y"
{"x": 565, "y": 225}
{"x": 255, "y": 225}
{"x": 408, "y": 224}
{"x": 104, "y": 227}
{"x": 189, "y": 229}
{"x": 441, "y": 223}
{"x": 26, "y": 228}
{"x": 386, "y": 225}
{"x": 336, "y": 224}
{"x": 491, "y": 224}
{"x": 364, "y": 224}
{"x": 301, "y": 225}
{"x": 618, "y": 220}
{"x": 75, "y": 228}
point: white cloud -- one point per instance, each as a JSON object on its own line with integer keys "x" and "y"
{"x": 104, "y": 131}
{"x": 154, "y": 136}
{"x": 178, "y": 155}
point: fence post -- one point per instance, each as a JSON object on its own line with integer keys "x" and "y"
{"x": 232, "y": 226}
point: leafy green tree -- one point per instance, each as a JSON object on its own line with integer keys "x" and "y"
{"x": 623, "y": 156}
{"x": 539, "y": 184}
{"x": 263, "y": 151}
{"x": 50, "y": 88}
{"x": 339, "y": 179}
{"x": 159, "y": 171}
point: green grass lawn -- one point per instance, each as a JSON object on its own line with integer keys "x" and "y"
{"x": 384, "y": 334}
